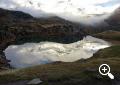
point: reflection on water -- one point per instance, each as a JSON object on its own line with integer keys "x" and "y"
{"x": 30, "y": 54}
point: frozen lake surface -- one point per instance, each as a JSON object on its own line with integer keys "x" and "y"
{"x": 30, "y": 54}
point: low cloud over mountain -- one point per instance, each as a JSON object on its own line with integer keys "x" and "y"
{"x": 86, "y": 11}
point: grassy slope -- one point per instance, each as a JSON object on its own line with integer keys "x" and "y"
{"x": 111, "y": 36}
{"x": 70, "y": 73}
{"x": 82, "y": 72}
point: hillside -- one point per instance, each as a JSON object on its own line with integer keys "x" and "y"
{"x": 114, "y": 20}
{"x": 111, "y": 36}
{"x": 13, "y": 15}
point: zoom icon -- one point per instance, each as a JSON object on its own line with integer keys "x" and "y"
{"x": 104, "y": 69}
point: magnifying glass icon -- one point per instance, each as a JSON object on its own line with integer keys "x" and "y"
{"x": 104, "y": 69}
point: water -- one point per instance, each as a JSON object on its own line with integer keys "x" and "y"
{"x": 30, "y": 54}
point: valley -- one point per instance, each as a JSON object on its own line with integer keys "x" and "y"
{"x": 18, "y": 28}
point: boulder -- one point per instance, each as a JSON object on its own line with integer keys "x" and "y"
{"x": 34, "y": 81}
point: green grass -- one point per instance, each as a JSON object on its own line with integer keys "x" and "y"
{"x": 111, "y": 52}
{"x": 113, "y": 35}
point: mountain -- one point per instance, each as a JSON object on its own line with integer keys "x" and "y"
{"x": 12, "y": 15}
{"x": 115, "y": 17}
{"x": 114, "y": 20}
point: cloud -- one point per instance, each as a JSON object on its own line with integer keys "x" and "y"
{"x": 31, "y": 54}
{"x": 74, "y": 10}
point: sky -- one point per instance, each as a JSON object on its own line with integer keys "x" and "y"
{"x": 86, "y": 11}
